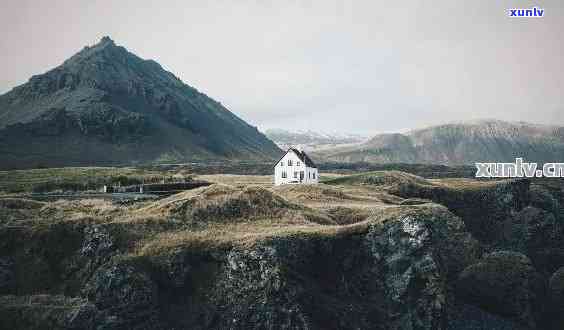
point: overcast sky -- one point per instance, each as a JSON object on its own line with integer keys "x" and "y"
{"x": 350, "y": 66}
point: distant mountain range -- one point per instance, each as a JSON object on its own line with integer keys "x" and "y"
{"x": 311, "y": 141}
{"x": 458, "y": 144}
{"x": 105, "y": 105}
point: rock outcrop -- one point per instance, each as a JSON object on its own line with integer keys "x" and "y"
{"x": 47, "y": 312}
{"x": 505, "y": 283}
{"x": 555, "y": 317}
{"x": 394, "y": 274}
{"x": 484, "y": 206}
{"x": 538, "y": 234}
{"x": 126, "y": 295}
{"x": 7, "y": 275}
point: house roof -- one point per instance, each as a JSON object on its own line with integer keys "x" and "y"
{"x": 301, "y": 155}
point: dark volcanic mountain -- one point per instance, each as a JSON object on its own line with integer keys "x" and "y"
{"x": 458, "y": 144}
{"x": 105, "y": 105}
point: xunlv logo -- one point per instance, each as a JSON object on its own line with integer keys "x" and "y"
{"x": 533, "y": 12}
{"x": 519, "y": 169}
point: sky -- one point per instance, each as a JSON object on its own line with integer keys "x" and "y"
{"x": 361, "y": 67}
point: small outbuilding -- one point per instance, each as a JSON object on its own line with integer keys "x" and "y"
{"x": 295, "y": 167}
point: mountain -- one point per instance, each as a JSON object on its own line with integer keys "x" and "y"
{"x": 311, "y": 141}
{"x": 459, "y": 144}
{"x": 105, "y": 105}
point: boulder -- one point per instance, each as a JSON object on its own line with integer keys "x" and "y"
{"x": 97, "y": 242}
{"x": 483, "y": 206}
{"x": 126, "y": 294}
{"x": 541, "y": 197}
{"x": 556, "y": 286}
{"x": 417, "y": 254}
{"x": 538, "y": 234}
{"x": 7, "y": 276}
{"x": 556, "y": 292}
{"x": 257, "y": 292}
{"x": 468, "y": 317}
{"x": 47, "y": 312}
{"x": 504, "y": 283}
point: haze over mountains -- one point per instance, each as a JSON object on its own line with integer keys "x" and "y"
{"x": 310, "y": 140}
{"x": 459, "y": 144}
{"x": 105, "y": 105}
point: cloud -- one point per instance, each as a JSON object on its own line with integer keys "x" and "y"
{"x": 359, "y": 67}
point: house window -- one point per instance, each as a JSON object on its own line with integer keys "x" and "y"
{"x": 298, "y": 163}
{"x": 289, "y": 162}
{"x": 309, "y": 175}
{"x": 295, "y": 175}
{"x": 284, "y": 175}
{"x": 282, "y": 163}
{"x": 314, "y": 175}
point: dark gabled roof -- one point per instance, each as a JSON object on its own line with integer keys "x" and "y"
{"x": 301, "y": 155}
{"x": 305, "y": 158}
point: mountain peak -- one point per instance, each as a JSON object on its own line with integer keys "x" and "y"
{"x": 106, "y": 40}
{"x": 104, "y": 50}
{"x": 105, "y": 43}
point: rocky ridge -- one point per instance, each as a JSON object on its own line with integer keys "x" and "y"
{"x": 416, "y": 265}
{"x": 458, "y": 144}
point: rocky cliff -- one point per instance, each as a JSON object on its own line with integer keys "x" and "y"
{"x": 418, "y": 254}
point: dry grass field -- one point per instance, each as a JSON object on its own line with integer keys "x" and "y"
{"x": 234, "y": 209}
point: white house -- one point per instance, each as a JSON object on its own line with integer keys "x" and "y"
{"x": 295, "y": 167}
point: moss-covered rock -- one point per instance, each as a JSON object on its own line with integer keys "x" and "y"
{"x": 538, "y": 234}
{"x": 555, "y": 318}
{"x": 504, "y": 283}
{"x": 393, "y": 274}
{"x": 126, "y": 294}
{"x": 541, "y": 197}
{"x": 7, "y": 275}
{"x": 556, "y": 286}
{"x": 482, "y": 205}
{"x": 40, "y": 257}
{"x": 417, "y": 255}
{"x": 46, "y": 312}
{"x": 469, "y": 317}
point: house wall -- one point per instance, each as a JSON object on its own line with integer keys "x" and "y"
{"x": 312, "y": 176}
{"x": 279, "y": 169}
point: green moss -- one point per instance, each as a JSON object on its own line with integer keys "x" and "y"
{"x": 74, "y": 178}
